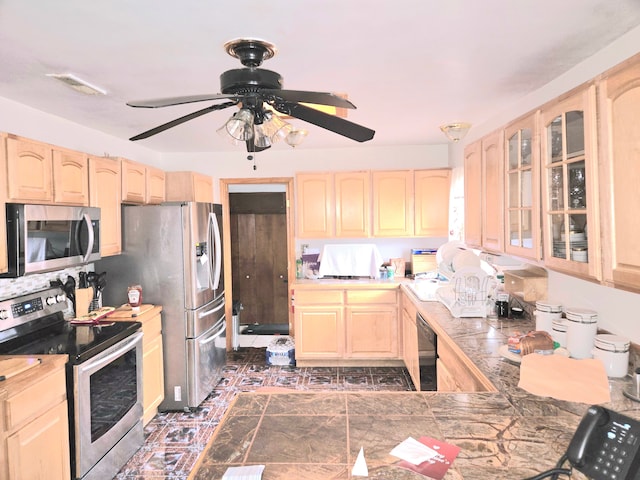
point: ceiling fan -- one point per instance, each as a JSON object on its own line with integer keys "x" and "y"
{"x": 258, "y": 92}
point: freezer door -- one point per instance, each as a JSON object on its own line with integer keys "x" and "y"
{"x": 202, "y": 319}
{"x": 206, "y": 357}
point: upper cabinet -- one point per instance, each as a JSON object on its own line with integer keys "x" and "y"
{"x": 619, "y": 103}
{"x": 315, "y": 205}
{"x": 493, "y": 191}
{"x": 29, "y": 170}
{"x": 104, "y": 191}
{"x": 431, "y": 202}
{"x": 392, "y": 203}
{"x": 188, "y": 187}
{"x": 142, "y": 184}
{"x": 70, "y": 177}
{"x": 570, "y": 209}
{"x": 352, "y": 204}
{"x": 473, "y": 194}
{"x": 522, "y": 188}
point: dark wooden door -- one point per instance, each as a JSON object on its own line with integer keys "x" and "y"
{"x": 259, "y": 256}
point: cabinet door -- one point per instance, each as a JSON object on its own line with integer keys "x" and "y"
{"x": 319, "y": 332}
{"x": 410, "y": 352}
{"x": 41, "y": 448}
{"x": 492, "y": 192}
{"x": 152, "y": 362}
{"x": 188, "y": 187}
{"x": 315, "y": 207}
{"x": 431, "y": 202}
{"x": 353, "y": 204}
{"x": 392, "y": 203}
{"x": 620, "y": 193}
{"x": 569, "y": 184}
{"x": 473, "y": 194}
{"x": 134, "y": 182}
{"x": 29, "y": 171}
{"x": 104, "y": 192}
{"x": 371, "y": 331}
{"x": 155, "y": 186}
{"x": 70, "y": 177}
{"x": 522, "y": 183}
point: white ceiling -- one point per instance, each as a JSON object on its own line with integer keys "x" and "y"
{"x": 408, "y": 65}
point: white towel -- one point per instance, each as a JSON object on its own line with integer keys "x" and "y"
{"x": 357, "y": 260}
{"x": 36, "y": 249}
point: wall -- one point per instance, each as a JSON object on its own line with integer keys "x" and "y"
{"x": 617, "y": 310}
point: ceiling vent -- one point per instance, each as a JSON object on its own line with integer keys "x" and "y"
{"x": 77, "y": 83}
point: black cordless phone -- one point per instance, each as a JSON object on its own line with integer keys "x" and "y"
{"x": 606, "y": 446}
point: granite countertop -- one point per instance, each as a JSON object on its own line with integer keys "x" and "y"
{"x": 508, "y": 434}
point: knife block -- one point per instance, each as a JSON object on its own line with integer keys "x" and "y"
{"x": 83, "y": 300}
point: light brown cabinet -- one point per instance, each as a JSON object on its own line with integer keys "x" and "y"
{"x": 410, "y": 351}
{"x": 522, "y": 188}
{"x": 155, "y": 185}
{"x": 315, "y": 205}
{"x": 70, "y": 177}
{"x": 34, "y": 429}
{"x": 104, "y": 192}
{"x": 392, "y": 203}
{"x": 473, "y": 194}
{"x": 570, "y": 209}
{"x": 29, "y": 170}
{"x": 188, "y": 187}
{"x": 319, "y": 325}
{"x": 493, "y": 191}
{"x": 455, "y": 372}
{"x": 619, "y": 103}
{"x": 4, "y": 261}
{"x": 142, "y": 184}
{"x": 431, "y": 202}
{"x": 352, "y": 204}
{"x": 346, "y": 326}
{"x": 371, "y": 324}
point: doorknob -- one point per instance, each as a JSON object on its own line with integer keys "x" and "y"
{"x": 281, "y": 276}
{"x": 247, "y": 276}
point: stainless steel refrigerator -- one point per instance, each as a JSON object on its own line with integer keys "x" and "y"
{"x": 174, "y": 251}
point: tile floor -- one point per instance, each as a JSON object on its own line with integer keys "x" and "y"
{"x": 174, "y": 440}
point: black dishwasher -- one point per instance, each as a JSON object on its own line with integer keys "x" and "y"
{"x": 427, "y": 354}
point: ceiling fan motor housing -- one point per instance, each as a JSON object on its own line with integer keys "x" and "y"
{"x": 244, "y": 80}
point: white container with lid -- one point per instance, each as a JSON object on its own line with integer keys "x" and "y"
{"x": 582, "y": 327}
{"x": 559, "y": 331}
{"x": 613, "y": 352}
{"x": 546, "y": 312}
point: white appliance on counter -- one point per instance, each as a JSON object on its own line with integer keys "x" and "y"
{"x": 350, "y": 260}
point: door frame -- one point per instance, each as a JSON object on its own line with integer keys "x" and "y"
{"x": 226, "y": 235}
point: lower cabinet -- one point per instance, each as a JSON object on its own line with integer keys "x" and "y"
{"x": 410, "y": 350}
{"x": 456, "y": 373}
{"x": 34, "y": 428}
{"x": 346, "y": 326}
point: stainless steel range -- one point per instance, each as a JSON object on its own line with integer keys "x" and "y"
{"x": 104, "y": 377}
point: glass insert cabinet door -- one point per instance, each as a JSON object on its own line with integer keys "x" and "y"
{"x": 568, "y": 169}
{"x": 522, "y": 183}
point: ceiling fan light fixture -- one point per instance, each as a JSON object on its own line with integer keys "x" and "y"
{"x": 455, "y": 131}
{"x": 240, "y": 125}
{"x": 261, "y": 137}
{"x": 295, "y": 137}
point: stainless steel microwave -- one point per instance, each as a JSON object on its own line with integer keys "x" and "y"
{"x": 43, "y": 238}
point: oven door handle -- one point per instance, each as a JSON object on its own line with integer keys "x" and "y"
{"x": 100, "y": 360}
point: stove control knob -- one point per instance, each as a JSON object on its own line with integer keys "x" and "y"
{"x": 51, "y": 300}
{"x": 4, "y": 314}
{"x": 61, "y": 297}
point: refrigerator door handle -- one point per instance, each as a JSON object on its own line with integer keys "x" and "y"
{"x": 219, "y": 330}
{"x": 213, "y": 310}
{"x": 214, "y": 276}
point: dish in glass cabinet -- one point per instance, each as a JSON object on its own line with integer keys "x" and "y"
{"x": 517, "y": 358}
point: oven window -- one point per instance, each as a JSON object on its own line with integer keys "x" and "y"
{"x": 113, "y": 393}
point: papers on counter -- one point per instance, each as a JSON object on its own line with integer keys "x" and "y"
{"x": 426, "y": 456}
{"x": 249, "y": 472}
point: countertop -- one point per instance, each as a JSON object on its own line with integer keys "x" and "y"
{"x": 508, "y": 434}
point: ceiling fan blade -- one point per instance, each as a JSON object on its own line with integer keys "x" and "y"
{"x": 330, "y": 122}
{"x": 170, "y": 101}
{"x": 180, "y": 120}
{"x": 318, "y": 98}
{"x": 253, "y": 148}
